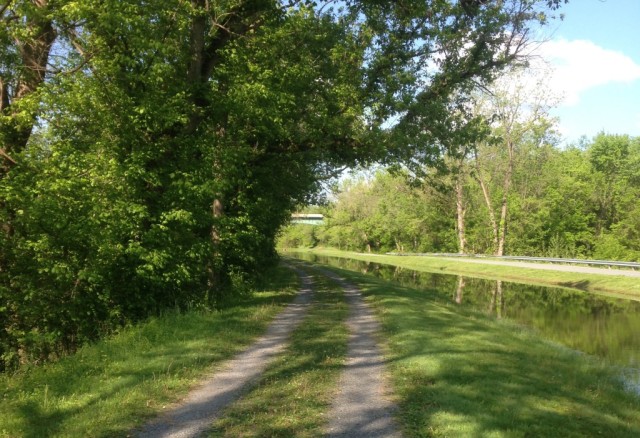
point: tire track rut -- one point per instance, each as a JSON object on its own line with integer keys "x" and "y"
{"x": 362, "y": 408}
{"x": 195, "y": 414}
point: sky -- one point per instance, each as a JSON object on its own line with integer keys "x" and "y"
{"x": 595, "y": 56}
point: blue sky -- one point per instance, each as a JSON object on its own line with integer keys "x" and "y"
{"x": 595, "y": 52}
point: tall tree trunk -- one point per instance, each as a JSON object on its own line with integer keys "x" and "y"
{"x": 206, "y": 41}
{"x": 368, "y": 243}
{"x": 34, "y": 51}
{"x": 489, "y": 204}
{"x": 506, "y": 186}
{"x": 34, "y": 48}
{"x": 217, "y": 211}
{"x": 460, "y": 213}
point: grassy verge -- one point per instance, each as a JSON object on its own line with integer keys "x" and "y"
{"x": 110, "y": 387}
{"x": 627, "y": 287}
{"x": 295, "y": 392}
{"x": 457, "y": 373}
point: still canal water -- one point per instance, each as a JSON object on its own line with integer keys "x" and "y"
{"x": 593, "y": 324}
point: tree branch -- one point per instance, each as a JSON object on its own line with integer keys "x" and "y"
{"x": 7, "y": 157}
{"x": 5, "y": 6}
{"x": 4, "y": 95}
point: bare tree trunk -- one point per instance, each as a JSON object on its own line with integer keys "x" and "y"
{"x": 208, "y": 36}
{"x": 506, "y": 186}
{"x": 487, "y": 200}
{"x": 460, "y": 214}
{"x": 197, "y": 41}
{"x": 217, "y": 209}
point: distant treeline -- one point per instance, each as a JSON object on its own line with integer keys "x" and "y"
{"x": 581, "y": 201}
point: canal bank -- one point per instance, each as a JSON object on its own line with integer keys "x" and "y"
{"x": 457, "y": 372}
{"x": 603, "y": 326}
{"x": 543, "y": 274}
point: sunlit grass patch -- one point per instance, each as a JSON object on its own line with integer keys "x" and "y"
{"x": 295, "y": 392}
{"x": 458, "y": 373}
{"x": 108, "y": 388}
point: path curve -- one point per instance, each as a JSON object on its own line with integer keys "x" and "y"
{"x": 196, "y": 413}
{"x": 362, "y": 407}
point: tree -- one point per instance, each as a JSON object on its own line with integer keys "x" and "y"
{"x": 26, "y": 40}
{"x": 386, "y": 213}
{"x": 520, "y": 116}
{"x": 609, "y": 158}
{"x": 614, "y": 163}
{"x": 179, "y": 136}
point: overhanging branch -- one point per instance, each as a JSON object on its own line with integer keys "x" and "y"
{"x": 6, "y": 156}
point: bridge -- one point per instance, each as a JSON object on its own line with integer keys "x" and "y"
{"x": 307, "y": 218}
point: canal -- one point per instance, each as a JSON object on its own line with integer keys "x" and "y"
{"x": 597, "y": 325}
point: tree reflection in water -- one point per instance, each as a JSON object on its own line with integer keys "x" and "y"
{"x": 593, "y": 324}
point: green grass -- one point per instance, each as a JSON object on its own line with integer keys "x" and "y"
{"x": 454, "y": 373}
{"x": 293, "y": 395}
{"x": 110, "y": 387}
{"x": 628, "y": 287}
{"x": 457, "y": 373}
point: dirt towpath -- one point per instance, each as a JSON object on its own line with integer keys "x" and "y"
{"x": 195, "y": 414}
{"x": 362, "y": 407}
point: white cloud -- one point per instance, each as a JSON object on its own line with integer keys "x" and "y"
{"x": 580, "y": 65}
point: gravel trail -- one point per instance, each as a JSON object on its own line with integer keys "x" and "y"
{"x": 202, "y": 406}
{"x": 362, "y": 407}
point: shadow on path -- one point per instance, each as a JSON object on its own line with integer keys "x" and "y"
{"x": 362, "y": 408}
{"x": 203, "y": 405}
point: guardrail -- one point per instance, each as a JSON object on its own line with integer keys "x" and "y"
{"x": 609, "y": 263}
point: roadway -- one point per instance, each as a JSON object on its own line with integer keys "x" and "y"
{"x": 552, "y": 267}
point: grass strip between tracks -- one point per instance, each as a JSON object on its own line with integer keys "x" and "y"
{"x": 107, "y": 388}
{"x": 294, "y": 394}
{"x": 457, "y": 373}
{"x": 627, "y": 287}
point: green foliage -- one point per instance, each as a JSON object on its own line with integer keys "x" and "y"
{"x": 299, "y": 236}
{"x": 386, "y": 214}
{"x": 171, "y": 140}
{"x": 610, "y": 247}
{"x": 568, "y": 208}
{"x": 132, "y": 375}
